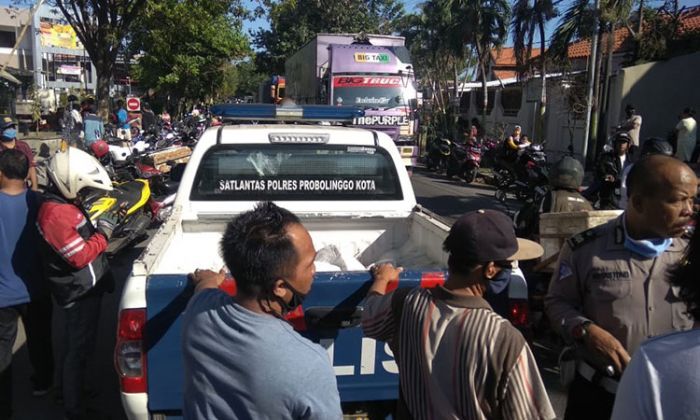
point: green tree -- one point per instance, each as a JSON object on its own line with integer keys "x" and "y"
{"x": 438, "y": 58}
{"x": 483, "y": 24}
{"x": 529, "y": 20}
{"x": 664, "y": 35}
{"x": 249, "y": 78}
{"x": 186, "y": 48}
{"x": 578, "y": 22}
{"x": 36, "y": 105}
{"x": 293, "y": 23}
{"x": 101, "y": 26}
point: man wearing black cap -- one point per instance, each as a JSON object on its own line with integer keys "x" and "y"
{"x": 8, "y": 140}
{"x": 609, "y": 171}
{"x": 457, "y": 358}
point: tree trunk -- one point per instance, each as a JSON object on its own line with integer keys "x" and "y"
{"x": 540, "y": 126}
{"x": 595, "y": 115}
{"x": 456, "y": 80}
{"x": 484, "y": 87}
{"x": 606, "y": 84}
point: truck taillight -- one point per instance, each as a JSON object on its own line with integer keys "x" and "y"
{"x": 518, "y": 312}
{"x": 129, "y": 359}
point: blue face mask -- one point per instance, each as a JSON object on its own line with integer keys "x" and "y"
{"x": 500, "y": 282}
{"x": 9, "y": 134}
{"x": 648, "y": 248}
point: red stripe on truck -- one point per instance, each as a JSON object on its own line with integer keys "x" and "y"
{"x": 428, "y": 280}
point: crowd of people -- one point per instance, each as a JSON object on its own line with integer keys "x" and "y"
{"x": 623, "y": 295}
{"x": 50, "y": 252}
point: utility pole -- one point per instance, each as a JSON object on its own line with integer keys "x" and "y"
{"x": 591, "y": 81}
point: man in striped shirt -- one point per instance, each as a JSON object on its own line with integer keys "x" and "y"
{"x": 457, "y": 358}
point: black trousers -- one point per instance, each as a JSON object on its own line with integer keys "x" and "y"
{"x": 587, "y": 401}
{"x": 37, "y": 322}
{"x": 82, "y": 320}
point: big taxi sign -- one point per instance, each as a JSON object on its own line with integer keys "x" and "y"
{"x": 374, "y": 58}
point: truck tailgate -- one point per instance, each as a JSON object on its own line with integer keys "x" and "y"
{"x": 330, "y": 316}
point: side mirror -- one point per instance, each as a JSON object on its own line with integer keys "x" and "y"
{"x": 413, "y": 104}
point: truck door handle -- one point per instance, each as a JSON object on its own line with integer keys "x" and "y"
{"x": 331, "y": 317}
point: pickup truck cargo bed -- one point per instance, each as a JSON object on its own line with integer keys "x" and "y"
{"x": 414, "y": 241}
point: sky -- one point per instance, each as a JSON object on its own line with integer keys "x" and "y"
{"x": 413, "y": 5}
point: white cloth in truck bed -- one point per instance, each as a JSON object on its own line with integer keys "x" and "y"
{"x": 334, "y": 258}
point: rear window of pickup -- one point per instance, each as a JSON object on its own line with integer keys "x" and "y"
{"x": 296, "y": 172}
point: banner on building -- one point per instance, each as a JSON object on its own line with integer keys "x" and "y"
{"x": 69, "y": 70}
{"x": 58, "y": 35}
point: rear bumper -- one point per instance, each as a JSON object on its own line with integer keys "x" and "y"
{"x": 135, "y": 406}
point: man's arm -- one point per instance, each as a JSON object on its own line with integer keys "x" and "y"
{"x": 378, "y": 319}
{"x": 563, "y": 300}
{"x": 57, "y": 225}
{"x": 207, "y": 279}
{"x": 563, "y": 306}
{"x": 633, "y": 122}
{"x": 33, "y": 178}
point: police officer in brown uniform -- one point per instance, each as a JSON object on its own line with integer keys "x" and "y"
{"x": 610, "y": 291}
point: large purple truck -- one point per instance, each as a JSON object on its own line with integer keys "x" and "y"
{"x": 374, "y": 73}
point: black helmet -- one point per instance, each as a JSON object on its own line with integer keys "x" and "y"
{"x": 622, "y": 137}
{"x": 567, "y": 173}
{"x": 656, "y": 146}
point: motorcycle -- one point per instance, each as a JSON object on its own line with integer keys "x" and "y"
{"x": 134, "y": 166}
{"x": 526, "y": 177}
{"x": 131, "y": 198}
{"x": 489, "y": 149}
{"x": 464, "y": 161}
{"x": 438, "y": 153}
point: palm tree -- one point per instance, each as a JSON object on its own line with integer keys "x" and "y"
{"x": 483, "y": 24}
{"x": 529, "y": 20}
{"x": 578, "y": 22}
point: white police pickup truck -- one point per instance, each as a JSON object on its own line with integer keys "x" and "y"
{"x": 353, "y": 194}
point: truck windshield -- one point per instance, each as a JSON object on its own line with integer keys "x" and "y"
{"x": 369, "y": 91}
{"x": 296, "y": 172}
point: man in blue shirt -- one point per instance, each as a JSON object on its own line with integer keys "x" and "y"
{"x": 94, "y": 128}
{"x": 124, "y": 131}
{"x": 20, "y": 279}
{"x": 241, "y": 358}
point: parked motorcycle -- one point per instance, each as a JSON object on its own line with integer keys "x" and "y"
{"x": 438, "y": 153}
{"x": 524, "y": 178}
{"x": 489, "y": 152}
{"x": 132, "y": 198}
{"x": 464, "y": 161}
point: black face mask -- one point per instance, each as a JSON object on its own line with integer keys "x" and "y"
{"x": 296, "y": 300}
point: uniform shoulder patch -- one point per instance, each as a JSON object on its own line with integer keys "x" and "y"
{"x": 582, "y": 238}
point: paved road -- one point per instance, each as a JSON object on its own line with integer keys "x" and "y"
{"x": 447, "y": 198}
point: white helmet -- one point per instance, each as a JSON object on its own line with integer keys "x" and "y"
{"x": 74, "y": 170}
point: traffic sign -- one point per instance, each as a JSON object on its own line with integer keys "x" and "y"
{"x": 133, "y": 104}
